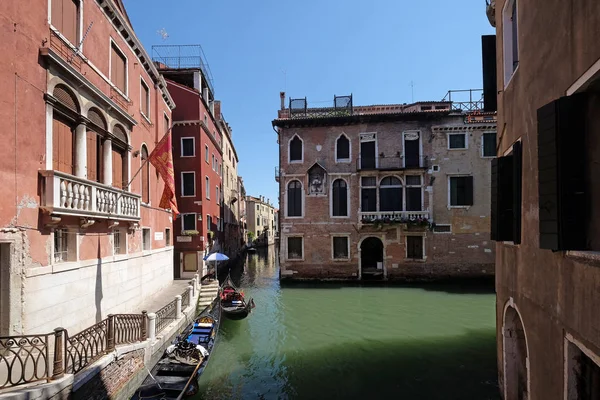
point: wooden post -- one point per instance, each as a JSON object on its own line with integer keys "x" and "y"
{"x": 110, "y": 336}
{"x": 58, "y": 370}
{"x": 144, "y": 325}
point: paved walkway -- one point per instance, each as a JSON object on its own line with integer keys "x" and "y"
{"x": 166, "y": 295}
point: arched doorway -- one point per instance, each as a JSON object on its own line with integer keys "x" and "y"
{"x": 516, "y": 376}
{"x": 371, "y": 258}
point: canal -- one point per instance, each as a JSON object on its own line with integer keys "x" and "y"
{"x": 349, "y": 342}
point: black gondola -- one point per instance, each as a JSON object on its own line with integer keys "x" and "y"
{"x": 233, "y": 303}
{"x": 176, "y": 374}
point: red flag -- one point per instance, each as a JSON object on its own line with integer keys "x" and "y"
{"x": 162, "y": 159}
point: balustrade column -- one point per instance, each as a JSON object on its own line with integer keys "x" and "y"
{"x": 178, "y": 306}
{"x": 58, "y": 369}
{"x": 107, "y": 171}
{"x": 152, "y": 326}
{"x": 190, "y": 294}
{"x": 81, "y": 150}
{"x": 196, "y": 282}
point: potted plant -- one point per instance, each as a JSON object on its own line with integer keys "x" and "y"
{"x": 190, "y": 232}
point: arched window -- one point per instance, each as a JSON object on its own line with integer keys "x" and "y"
{"x": 63, "y": 127}
{"x": 390, "y": 194}
{"x": 295, "y": 149}
{"x": 340, "y": 198}
{"x": 294, "y": 199}
{"x": 145, "y": 176}
{"x": 342, "y": 148}
{"x": 95, "y": 134}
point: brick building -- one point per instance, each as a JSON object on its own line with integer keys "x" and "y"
{"x": 197, "y": 157}
{"x": 545, "y": 196}
{"x": 261, "y": 220}
{"x": 82, "y": 107}
{"x": 384, "y": 192}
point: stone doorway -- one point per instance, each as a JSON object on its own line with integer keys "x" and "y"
{"x": 371, "y": 259}
{"x": 516, "y": 374}
{"x": 4, "y": 289}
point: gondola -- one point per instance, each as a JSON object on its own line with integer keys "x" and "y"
{"x": 176, "y": 374}
{"x": 233, "y": 303}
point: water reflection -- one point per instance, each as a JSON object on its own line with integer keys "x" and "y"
{"x": 353, "y": 342}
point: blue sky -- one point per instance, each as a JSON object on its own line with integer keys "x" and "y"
{"x": 317, "y": 48}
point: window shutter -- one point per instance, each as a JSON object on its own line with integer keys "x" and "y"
{"x": 57, "y": 14}
{"x": 562, "y": 174}
{"x": 469, "y": 190}
{"x": 144, "y": 100}
{"x": 117, "y": 161}
{"x": 517, "y": 160}
{"x": 488, "y": 51}
{"x": 92, "y": 153}
{"x": 70, "y": 21}
{"x": 502, "y": 199}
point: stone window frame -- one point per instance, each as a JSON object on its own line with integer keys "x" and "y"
{"x": 343, "y": 160}
{"x": 449, "y": 188}
{"x": 409, "y": 186}
{"x": 402, "y": 187}
{"x": 423, "y": 236}
{"x": 207, "y": 187}
{"x": 290, "y": 161}
{"x": 112, "y": 43}
{"x": 332, "y": 179}
{"x": 206, "y": 153}
{"x": 193, "y": 146}
{"x": 510, "y": 303}
{"x": 509, "y": 69}
{"x": 183, "y": 183}
{"x": 123, "y": 245}
{"x": 146, "y": 247}
{"x": 302, "y": 198}
{"x": 465, "y": 134}
{"x": 338, "y": 235}
{"x": 146, "y": 100}
{"x": 294, "y": 235}
{"x": 78, "y": 47}
{"x": 71, "y": 243}
{"x": 420, "y": 134}
{"x": 483, "y": 143}
{"x": 442, "y": 233}
{"x": 571, "y": 347}
{"x": 183, "y": 222}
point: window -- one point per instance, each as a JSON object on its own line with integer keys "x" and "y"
{"x": 442, "y": 228}
{"x": 205, "y": 119}
{"x": 414, "y": 192}
{"x": 295, "y": 149}
{"x": 188, "y": 184}
{"x": 217, "y": 198}
{"x": 145, "y": 176}
{"x": 390, "y": 194}
{"x": 214, "y": 163}
{"x": 342, "y": 149}
{"x": 295, "y": 250}
{"x": 294, "y": 199}
{"x": 188, "y": 222}
{"x": 583, "y": 374}
{"x": 145, "y": 99}
{"x": 461, "y": 191}
{"x": 94, "y": 137}
{"x": 118, "y": 242}
{"x": 65, "y": 18}
{"x": 118, "y": 180}
{"x": 368, "y": 194}
{"x": 218, "y": 224}
{"x": 146, "y": 239}
{"x": 510, "y": 36}
{"x": 414, "y": 247}
{"x": 187, "y": 147}
{"x": 457, "y": 140}
{"x": 208, "y": 222}
{"x": 167, "y": 236}
{"x": 206, "y": 153}
{"x": 257, "y": 221}
{"x": 118, "y": 68}
{"x": 207, "y": 187}
{"x": 258, "y": 207}
{"x": 62, "y": 145}
{"x": 61, "y": 245}
{"x": 340, "y": 198}
{"x": 167, "y": 123}
{"x": 489, "y": 144}
{"x": 340, "y": 248}
{"x": 506, "y": 197}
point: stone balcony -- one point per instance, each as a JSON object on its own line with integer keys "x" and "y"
{"x": 394, "y": 216}
{"x": 66, "y": 195}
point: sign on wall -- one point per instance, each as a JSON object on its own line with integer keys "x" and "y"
{"x": 158, "y": 236}
{"x": 183, "y": 239}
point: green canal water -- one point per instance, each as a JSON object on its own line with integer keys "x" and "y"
{"x": 351, "y": 342}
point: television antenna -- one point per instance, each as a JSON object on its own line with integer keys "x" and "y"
{"x": 78, "y": 49}
{"x": 163, "y": 33}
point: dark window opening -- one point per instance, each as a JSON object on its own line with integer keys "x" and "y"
{"x": 489, "y": 144}
{"x": 189, "y": 222}
{"x": 461, "y": 191}
{"x": 457, "y": 141}
{"x": 187, "y": 147}
{"x": 294, "y": 199}
{"x": 340, "y": 198}
{"x": 295, "y": 248}
{"x": 340, "y": 247}
{"x": 414, "y": 247}
{"x": 390, "y": 194}
{"x": 188, "y": 184}
{"x": 506, "y": 197}
{"x": 296, "y": 149}
{"x": 343, "y": 148}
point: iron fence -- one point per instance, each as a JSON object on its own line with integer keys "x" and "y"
{"x": 183, "y": 57}
{"x": 166, "y": 315}
{"x": 24, "y": 359}
{"x": 88, "y": 345}
{"x": 130, "y": 328}
{"x": 342, "y": 106}
{"x": 185, "y": 298}
{"x": 474, "y": 102}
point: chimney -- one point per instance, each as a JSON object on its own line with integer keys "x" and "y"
{"x": 211, "y": 107}
{"x": 282, "y": 97}
{"x": 205, "y": 94}
{"x": 197, "y": 82}
{"x": 217, "y": 104}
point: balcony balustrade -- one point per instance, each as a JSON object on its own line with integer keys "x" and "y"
{"x": 393, "y": 216}
{"x": 391, "y": 163}
{"x": 64, "y": 194}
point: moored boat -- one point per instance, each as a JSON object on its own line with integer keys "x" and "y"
{"x": 176, "y": 374}
{"x": 233, "y": 303}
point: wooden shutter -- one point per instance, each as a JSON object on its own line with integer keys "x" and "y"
{"x": 62, "y": 146}
{"x": 144, "y": 99}
{"x": 517, "y": 161}
{"x": 502, "y": 202}
{"x": 92, "y": 155}
{"x": 488, "y": 52}
{"x": 468, "y": 190}
{"x": 117, "y": 161}
{"x": 117, "y": 68}
{"x": 56, "y": 16}
{"x": 563, "y": 195}
{"x": 70, "y": 21}
{"x": 145, "y": 177}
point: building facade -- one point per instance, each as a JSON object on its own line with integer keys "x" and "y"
{"x": 198, "y": 164}
{"x": 83, "y": 106}
{"x": 384, "y": 192}
{"x": 261, "y": 220}
{"x": 545, "y": 191}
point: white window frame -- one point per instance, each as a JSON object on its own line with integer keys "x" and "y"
{"x": 483, "y": 144}
{"x": 348, "y": 208}
{"x": 363, "y": 139}
{"x": 72, "y": 252}
{"x": 442, "y": 233}
{"x": 206, "y": 153}
{"x": 450, "y": 188}
{"x": 287, "y": 250}
{"x": 193, "y": 146}
{"x": 209, "y": 223}
{"x": 143, "y": 83}
{"x": 420, "y": 147}
{"x": 406, "y": 186}
{"x": 167, "y": 118}
{"x": 183, "y": 186}
{"x": 301, "y": 198}
{"x": 126, "y": 94}
{"x": 74, "y": 46}
{"x": 207, "y": 185}
{"x": 343, "y": 160}
{"x": 402, "y": 186}
{"x": 338, "y": 235}
{"x": 507, "y": 39}
{"x": 214, "y": 162}
{"x": 122, "y": 240}
{"x": 415, "y": 234}
{"x": 217, "y": 194}
{"x": 183, "y": 223}
{"x": 458, "y": 133}
{"x": 289, "y": 153}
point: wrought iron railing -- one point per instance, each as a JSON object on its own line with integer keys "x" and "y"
{"x": 24, "y": 359}
{"x": 461, "y": 103}
{"x": 185, "y": 298}
{"x": 166, "y": 315}
{"x": 394, "y": 162}
{"x": 88, "y": 346}
{"x": 342, "y": 106}
{"x": 130, "y": 328}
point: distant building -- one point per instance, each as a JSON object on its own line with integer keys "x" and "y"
{"x": 261, "y": 220}
{"x": 385, "y": 191}
{"x": 197, "y": 157}
{"x": 81, "y": 232}
{"x": 544, "y": 70}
